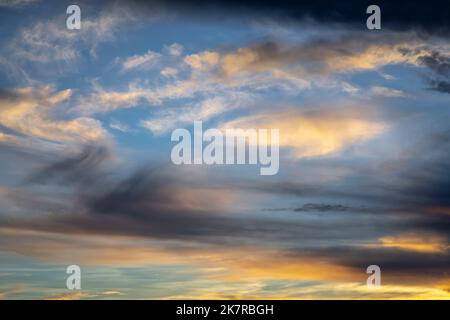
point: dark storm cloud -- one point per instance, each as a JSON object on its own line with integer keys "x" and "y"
{"x": 430, "y": 16}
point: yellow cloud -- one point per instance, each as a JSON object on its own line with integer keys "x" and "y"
{"x": 312, "y": 135}
{"x": 372, "y": 57}
{"x": 203, "y": 60}
{"x": 73, "y": 296}
{"x": 28, "y": 111}
{"x": 236, "y": 62}
{"x": 415, "y": 242}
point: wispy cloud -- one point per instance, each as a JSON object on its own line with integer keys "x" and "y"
{"x": 29, "y": 113}
{"x": 386, "y": 92}
{"x": 48, "y": 41}
{"x": 209, "y": 108}
{"x": 141, "y": 62}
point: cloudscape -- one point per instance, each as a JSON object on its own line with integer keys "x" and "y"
{"x": 361, "y": 171}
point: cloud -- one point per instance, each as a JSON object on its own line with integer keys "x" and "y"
{"x": 439, "y": 63}
{"x": 117, "y": 125}
{"x": 366, "y": 191}
{"x": 175, "y": 49}
{"x": 440, "y": 86}
{"x": 386, "y": 92}
{"x": 33, "y": 47}
{"x": 420, "y": 243}
{"x": 154, "y": 214}
{"x": 314, "y": 134}
{"x": 321, "y": 207}
{"x": 388, "y": 76}
{"x": 166, "y": 120}
{"x": 82, "y": 168}
{"x": 155, "y": 203}
{"x": 234, "y": 264}
{"x": 169, "y": 72}
{"x": 313, "y": 63}
{"x": 317, "y": 59}
{"x": 111, "y": 292}
{"x": 102, "y": 100}
{"x": 142, "y": 62}
{"x": 322, "y": 56}
{"x": 203, "y": 60}
{"x": 29, "y": 113}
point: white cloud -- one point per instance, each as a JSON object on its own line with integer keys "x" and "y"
{"x": 48, "y": 41}
{"x": 102, "y": 100}
{"x": 386, "y": 92}
{"x": 142, "y": 62}
{"x": 169, "y": 72}
{"x": 117, "y": 125}
{"x": 175, "y": 49}
{"x": 387, "y": 76}
{"x": 209, "y": 108}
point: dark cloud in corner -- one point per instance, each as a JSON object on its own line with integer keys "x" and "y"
{"x": 431, "y": 16}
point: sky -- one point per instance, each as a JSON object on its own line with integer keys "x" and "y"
{"x": 86, "y": 176}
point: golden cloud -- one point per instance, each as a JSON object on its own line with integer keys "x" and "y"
{"x": 313, "y": 135}
{"x": 28, "y": 111}
{"x": 416, "y": 242}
